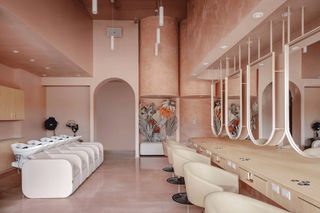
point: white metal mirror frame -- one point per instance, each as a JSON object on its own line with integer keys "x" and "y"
{"x": 226, "y": 101}
{"x": 305, "y": 37}
{"x": 254, "y": 140}
{"x": 213, "y": 88}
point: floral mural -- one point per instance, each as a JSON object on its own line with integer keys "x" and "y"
{"x": 217, "y": 112}
{"x": 254, "y": 115}
{"x": 234, "y": 119}
{"x": 157, "y": 123}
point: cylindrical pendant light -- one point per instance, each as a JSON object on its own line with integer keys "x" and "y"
{"x": 158, "y": 36}
{"x": 161, "y": 16}
{"x": 112, "y": 42}
{"x": 94, "y": 7}
{"x": 159, "y": 75}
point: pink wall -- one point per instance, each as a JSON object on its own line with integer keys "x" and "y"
{"x": 115, "y": 116}
{"x": 64, "y": 24}
{"x": 194, "y": 118}
{"x": 69, "y": 103}
{"x": 35, "y": 104}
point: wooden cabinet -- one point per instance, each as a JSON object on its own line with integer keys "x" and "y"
{"x": 11, "y": 104}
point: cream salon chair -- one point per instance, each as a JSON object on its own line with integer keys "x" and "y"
{"x": 180, "y": 157}
{"x": 171, "y": 146}
{"x": 202, "y": 179}
{"x": 165, "y": 152}
{"x": 226, "y": 202}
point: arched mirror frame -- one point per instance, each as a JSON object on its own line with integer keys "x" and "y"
{"x": 253, "y": 139}
{"x": 213, "y": 92}
{"x": 306, "y": 39}
{"x": 240, "y": 126}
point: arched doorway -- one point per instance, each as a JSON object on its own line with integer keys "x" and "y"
{"x": 114, "y": 107}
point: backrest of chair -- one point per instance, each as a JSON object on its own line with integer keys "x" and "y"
{"x": 214, "y": 175}
{"x": 226, "y": 202}
{"x": 180, "y": 156}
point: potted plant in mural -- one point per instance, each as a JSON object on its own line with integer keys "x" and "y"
{"x": 234, "y": 119}
{"x": 217, "y": 115}
{"x": 155, "y": 124}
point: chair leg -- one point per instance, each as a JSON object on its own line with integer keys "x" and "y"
{"x": 176, "y": 180}
{"x": 181, "y": 198}
{"x": 168, "y": 169}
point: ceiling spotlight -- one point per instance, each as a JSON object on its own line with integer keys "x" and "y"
{"x": 32, "y": 60}
{"x": 257, "y": 15}
{"x": 205, "y": 63}
{"x": 44, "y": 75}
{"x": 15, "y": 51}
{"x": 47, "y": 68}
{"x": 224, "y": 46}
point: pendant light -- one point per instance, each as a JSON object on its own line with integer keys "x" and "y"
{"x": 94, "y": 7}
{"x": 112, "y": 35}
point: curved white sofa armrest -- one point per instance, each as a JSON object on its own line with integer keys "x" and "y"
{"x": 41, "y": 178}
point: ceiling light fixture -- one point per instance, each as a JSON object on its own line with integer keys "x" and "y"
{"x": 44, "y": 75}
{"x": 112, "y": 36}
{"x": 47, "y": 68}
{"x": 205, "y": 63}
{"x": 94, "y": 7}
{"x": 15, "y": 51}
{"x": 32, "y": 60}
{"x": 161, "y": 16}
{"x": 224, "y": 47}
{"x": 158, "y": 35}
{"x": 257, "y": 15}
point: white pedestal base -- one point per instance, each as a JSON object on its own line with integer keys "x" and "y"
{"x": 151, "y": 148}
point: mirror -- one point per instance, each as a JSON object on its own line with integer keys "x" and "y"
{"x": 217, "y": 107}
{"x": 302, "y": 99}
{"x": 261, "y": 99}
{"x": 233, "y": 105}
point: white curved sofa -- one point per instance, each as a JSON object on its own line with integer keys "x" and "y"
{"x": 58, "y": 171}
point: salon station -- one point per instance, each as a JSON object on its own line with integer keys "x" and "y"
{"x": 161, "y": 106}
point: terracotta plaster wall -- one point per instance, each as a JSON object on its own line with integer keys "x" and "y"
{"x": 159, "y": 74}
{"x": 194, "y": 118}
{"x": 66, "y": 25}
{"x": 189, "y": 86}
{"x": 35, "y": 106}
{"x": 210, "y": 21}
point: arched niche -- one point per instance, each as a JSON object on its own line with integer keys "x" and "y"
{"x": 114, "y": 115}
{"x": 302, "y": 100}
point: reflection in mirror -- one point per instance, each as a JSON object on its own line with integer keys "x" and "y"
{"x": 260, "y": 103}
{"x": 216, "y": 107}
{"x": 302, "y": 81}
{"x": 233, "y": 105}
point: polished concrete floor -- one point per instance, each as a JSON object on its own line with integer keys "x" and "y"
{"x": 121, "y": 185}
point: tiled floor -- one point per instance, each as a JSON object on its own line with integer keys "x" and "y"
{"x": 121, "y": 185}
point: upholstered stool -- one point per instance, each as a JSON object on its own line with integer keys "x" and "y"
{"x": 202, "y": 179}
{"x": 226, "y": 202}
{"x": 180, "y": 157}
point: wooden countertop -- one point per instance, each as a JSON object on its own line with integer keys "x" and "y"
{"x": 279, "y": 165}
